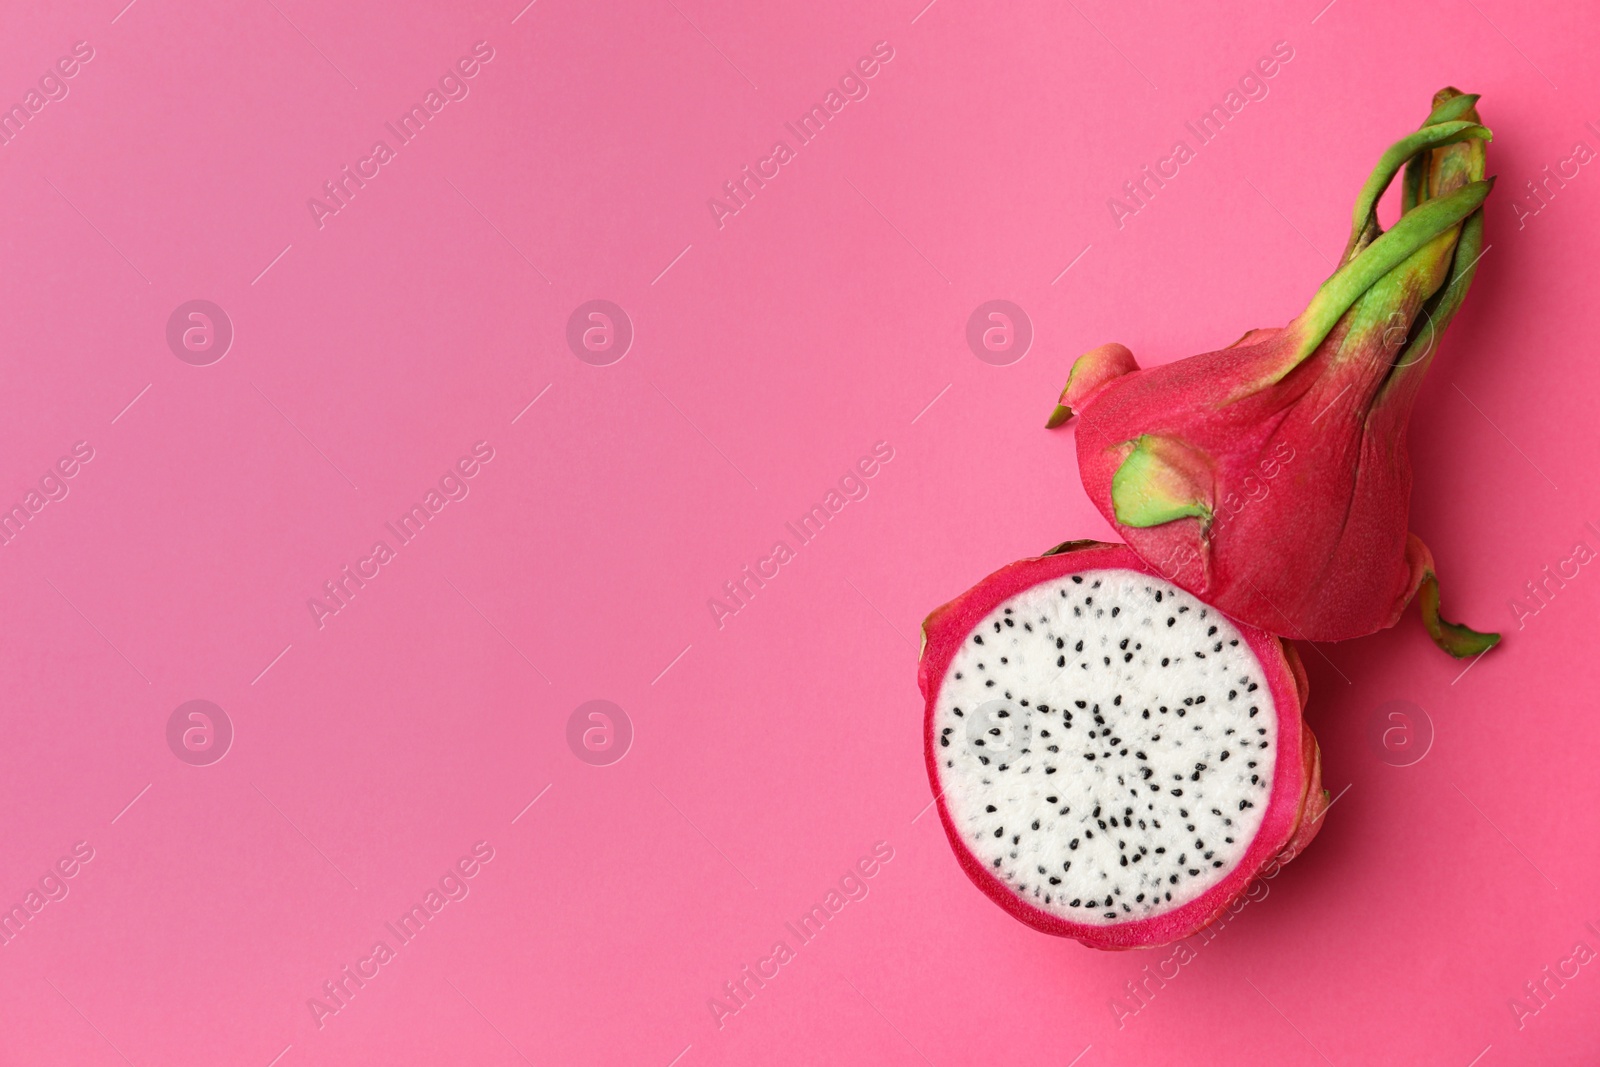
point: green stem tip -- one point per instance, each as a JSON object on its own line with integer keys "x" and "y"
{"x": 1460, "y": 641}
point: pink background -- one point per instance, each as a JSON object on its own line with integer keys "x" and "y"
{"x": 772, "y": 753}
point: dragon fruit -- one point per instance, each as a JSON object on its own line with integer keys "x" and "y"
{"x": 1112, "y": 759}
{"x": 1271, "y": 478}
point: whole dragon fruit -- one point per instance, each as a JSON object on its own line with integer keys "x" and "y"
{"x": 1271, "y": 478}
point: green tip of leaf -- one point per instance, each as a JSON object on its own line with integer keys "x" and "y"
{"x": 1060, "y": 415}
{"x": 1453, "y": 105}
{"x": 1462, "y": 642}
{"x": 1161, "y": 481}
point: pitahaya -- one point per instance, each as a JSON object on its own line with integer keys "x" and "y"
{"x": 1271, "y": 478}
{"x": 1112, "y": 759}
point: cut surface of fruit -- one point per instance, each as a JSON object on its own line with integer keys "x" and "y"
{"x": 1113, "y": 759}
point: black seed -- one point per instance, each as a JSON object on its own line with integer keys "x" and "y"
{"x": 999, "y": 831}
{"x": 978, "y": 638}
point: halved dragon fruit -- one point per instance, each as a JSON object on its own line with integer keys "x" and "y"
{"x": 1113, "y": 760}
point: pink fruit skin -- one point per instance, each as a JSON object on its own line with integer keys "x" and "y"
{"x": 1312, "y": 546}
{"x": 1294, "y": 808}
